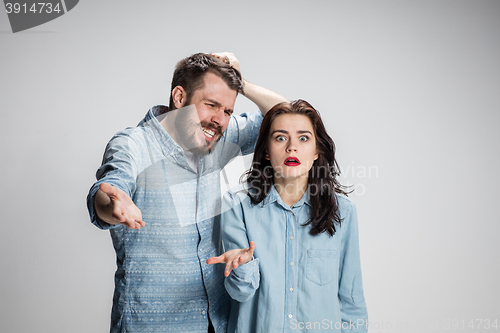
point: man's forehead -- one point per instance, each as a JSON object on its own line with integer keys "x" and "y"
{"x": 217, "y": 90}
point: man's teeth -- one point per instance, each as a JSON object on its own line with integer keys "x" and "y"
{"x": 208, "y": 132}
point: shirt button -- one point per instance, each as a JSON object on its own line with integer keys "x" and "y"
{"x": 291, "y": 264}
{"x": 291, "y": 289}
{"x": 290, "y": 315}
{"x": 203, "y": 312}
{"x": 291, "y": 237}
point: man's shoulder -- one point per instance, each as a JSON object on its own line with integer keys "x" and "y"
{"x": 130, "y": 137}
{"x": 142, "y": 133}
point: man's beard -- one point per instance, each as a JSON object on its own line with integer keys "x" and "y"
{"x": 190, "y": 134}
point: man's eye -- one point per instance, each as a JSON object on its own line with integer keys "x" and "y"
{"x": 229, "y": 113}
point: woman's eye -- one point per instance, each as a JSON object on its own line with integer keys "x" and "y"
{"x": 280, "y": 138}
{"x": 303, "y": 138}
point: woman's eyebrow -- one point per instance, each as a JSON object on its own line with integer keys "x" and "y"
{"x": 280, "y": 131}
{"x": 286, "y": 132}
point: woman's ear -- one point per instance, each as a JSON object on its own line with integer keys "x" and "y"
{"x": 179, "y": 97}
{"x": 267, "y": 155}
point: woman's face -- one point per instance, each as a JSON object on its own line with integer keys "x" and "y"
{"x": 291, "y": 147}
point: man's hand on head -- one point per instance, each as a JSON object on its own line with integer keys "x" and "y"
{"x": 229, "y": 59}
{"x": 114, "y": 206}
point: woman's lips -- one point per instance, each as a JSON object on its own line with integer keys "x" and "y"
{"x": 292, "y": 161}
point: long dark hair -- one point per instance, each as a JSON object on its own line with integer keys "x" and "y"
{"x": 322, "y": 180}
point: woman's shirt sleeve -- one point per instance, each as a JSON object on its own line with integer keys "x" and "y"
{"x": 243, "y": 281}
{"x": 352, "y": 302}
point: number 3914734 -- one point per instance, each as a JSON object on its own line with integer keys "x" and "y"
{"x": 35, "y": 8}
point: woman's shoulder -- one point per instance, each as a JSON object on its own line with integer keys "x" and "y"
{"x": 346, "y": 205}
{"x": 236, "y": 194}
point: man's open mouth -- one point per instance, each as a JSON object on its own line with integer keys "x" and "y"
{"x": 292, "y": 161}
{"x": 209, "y": 133}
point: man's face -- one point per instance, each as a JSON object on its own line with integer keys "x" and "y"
{"x": 214, "y": 104}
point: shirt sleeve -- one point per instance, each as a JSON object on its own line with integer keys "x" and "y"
{"x": 243, "y": 281}
{"x": 352, "y": 302}
{"x": 118, "y": 168}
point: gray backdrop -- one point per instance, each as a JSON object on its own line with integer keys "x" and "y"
{"x": 409, "y": 91}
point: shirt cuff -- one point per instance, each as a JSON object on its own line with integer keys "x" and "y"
{"x": 246, "y": 271}
{"x": 91, "y": 208}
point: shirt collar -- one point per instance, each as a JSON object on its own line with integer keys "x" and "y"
{"x": 152, "y": 119}
{"x": 274, "y": 196}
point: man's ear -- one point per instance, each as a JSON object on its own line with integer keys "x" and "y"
{"x": 179, "y": 97}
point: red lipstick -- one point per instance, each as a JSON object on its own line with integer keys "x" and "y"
{"x": 292, "y": 161}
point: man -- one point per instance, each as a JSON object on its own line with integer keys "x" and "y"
{"x": 158, "y": 191}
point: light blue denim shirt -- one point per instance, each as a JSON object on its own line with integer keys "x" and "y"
{"x": 162, "y": 283}
{"x": 296, "y": 282}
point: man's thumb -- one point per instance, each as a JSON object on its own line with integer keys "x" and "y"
{"x": 108, "y": 189}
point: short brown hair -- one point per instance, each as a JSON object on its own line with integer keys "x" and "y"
{"x": 190, "y": 71}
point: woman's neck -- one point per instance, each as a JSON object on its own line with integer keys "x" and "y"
{"x": 290, "y": 190}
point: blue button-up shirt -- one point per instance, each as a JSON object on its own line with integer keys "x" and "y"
{"x": 162, "y": 283}
{"x": 296, "y": 282}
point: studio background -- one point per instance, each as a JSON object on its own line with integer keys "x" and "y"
{"x": 409, "y": 91}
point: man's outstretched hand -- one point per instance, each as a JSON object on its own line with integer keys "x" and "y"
{"x": 233, "y": 258}
{"x": 114, "y": 206}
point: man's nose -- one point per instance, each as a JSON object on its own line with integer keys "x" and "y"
{"x": 218, "y": 115}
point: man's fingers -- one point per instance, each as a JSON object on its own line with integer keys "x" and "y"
{"x": 129, "y": 222}
{"x": 136, "y": 224}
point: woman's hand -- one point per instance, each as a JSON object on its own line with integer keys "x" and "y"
{"x": 233, "y": 258}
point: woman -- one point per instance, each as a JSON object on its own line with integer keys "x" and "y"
{"x": 305, "y": 273}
